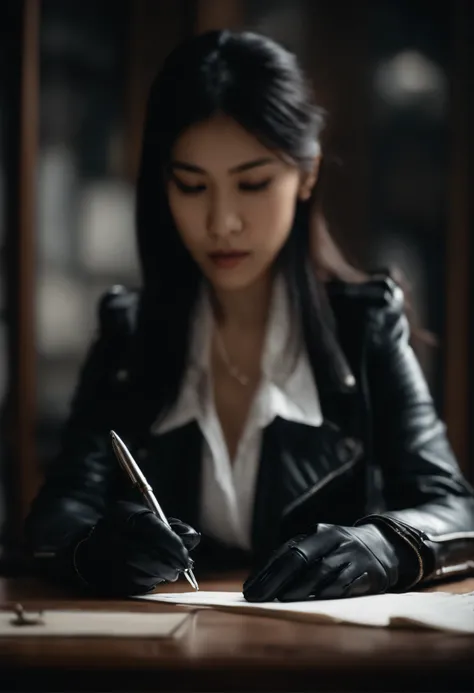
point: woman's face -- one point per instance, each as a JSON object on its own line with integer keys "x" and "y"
{"x": 232, "y": 200}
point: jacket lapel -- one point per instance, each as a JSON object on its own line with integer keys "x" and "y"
{"x": 299, "y": 463}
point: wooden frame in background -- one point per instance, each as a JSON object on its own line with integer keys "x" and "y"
{"x": 21, "y": 144}
{"x": 457, "y": 367}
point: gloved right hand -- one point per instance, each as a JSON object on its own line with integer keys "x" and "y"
{"x": 130, "y": 550}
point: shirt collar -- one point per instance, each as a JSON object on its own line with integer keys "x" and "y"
{"x": 287, "y": 388}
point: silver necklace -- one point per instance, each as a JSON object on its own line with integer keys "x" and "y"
{"x": 232, "y": 369}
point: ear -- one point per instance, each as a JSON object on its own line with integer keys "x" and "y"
{"x": 309, "y": 179}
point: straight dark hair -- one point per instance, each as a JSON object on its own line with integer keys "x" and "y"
{"x": 259, "y": 84}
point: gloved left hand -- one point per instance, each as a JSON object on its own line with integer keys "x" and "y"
{"x": 332, "y": 562}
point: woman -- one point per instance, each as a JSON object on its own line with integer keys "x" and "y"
{"x": 268, "y": 390}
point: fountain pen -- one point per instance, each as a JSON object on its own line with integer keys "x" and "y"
{"x": 138, "y": 479}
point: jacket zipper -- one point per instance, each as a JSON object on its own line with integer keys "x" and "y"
{"x": 327, "y": 479}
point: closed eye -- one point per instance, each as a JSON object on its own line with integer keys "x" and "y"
{"x": 188, "y": 189}
{"x": 255, "y": 187}
{"x": 196, "y": 189}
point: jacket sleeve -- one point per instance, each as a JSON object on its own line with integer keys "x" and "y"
{"x": 428, "y": 501}
{"x": 79, "y": 480}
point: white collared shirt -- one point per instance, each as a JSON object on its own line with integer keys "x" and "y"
{"x": 286, "y": 389}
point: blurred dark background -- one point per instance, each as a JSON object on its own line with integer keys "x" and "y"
{"x": 396, "y": 78}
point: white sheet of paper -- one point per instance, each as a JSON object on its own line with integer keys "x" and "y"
{"x": 117, "y": 624}
{"x": 440, "y": 610}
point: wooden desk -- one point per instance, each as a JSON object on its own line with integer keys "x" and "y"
{"x": 220, "y": 651}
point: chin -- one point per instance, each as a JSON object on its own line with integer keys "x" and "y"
{"x": 231, "y": 280}
{"x": 229, "y": 283}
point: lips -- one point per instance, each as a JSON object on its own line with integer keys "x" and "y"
{"x": 228, "y": 260}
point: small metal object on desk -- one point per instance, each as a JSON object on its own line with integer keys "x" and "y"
{"x": 23, "y": 619}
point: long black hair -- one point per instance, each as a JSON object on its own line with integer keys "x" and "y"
{"x": 259, "y": 84}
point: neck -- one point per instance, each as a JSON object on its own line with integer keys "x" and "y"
{"x": 244, "y": 309}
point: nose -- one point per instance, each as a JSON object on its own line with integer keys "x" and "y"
{"x": 223, "y": 219}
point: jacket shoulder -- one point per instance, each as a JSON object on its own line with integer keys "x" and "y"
{"x": 379, "y": 293}
{"x": 118, "y": 309}
{"x": 375, "y": 307}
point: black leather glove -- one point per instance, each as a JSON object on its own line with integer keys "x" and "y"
{"x": 131, "y": 550}
{"x": 333, "y": 562}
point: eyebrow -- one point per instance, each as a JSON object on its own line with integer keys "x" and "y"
{"x": 246, "y": 166}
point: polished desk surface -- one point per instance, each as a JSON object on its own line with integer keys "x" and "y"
{"x": 219, "y": 651}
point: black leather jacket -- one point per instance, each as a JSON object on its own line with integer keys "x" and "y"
{"x": 381, "y": 454}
